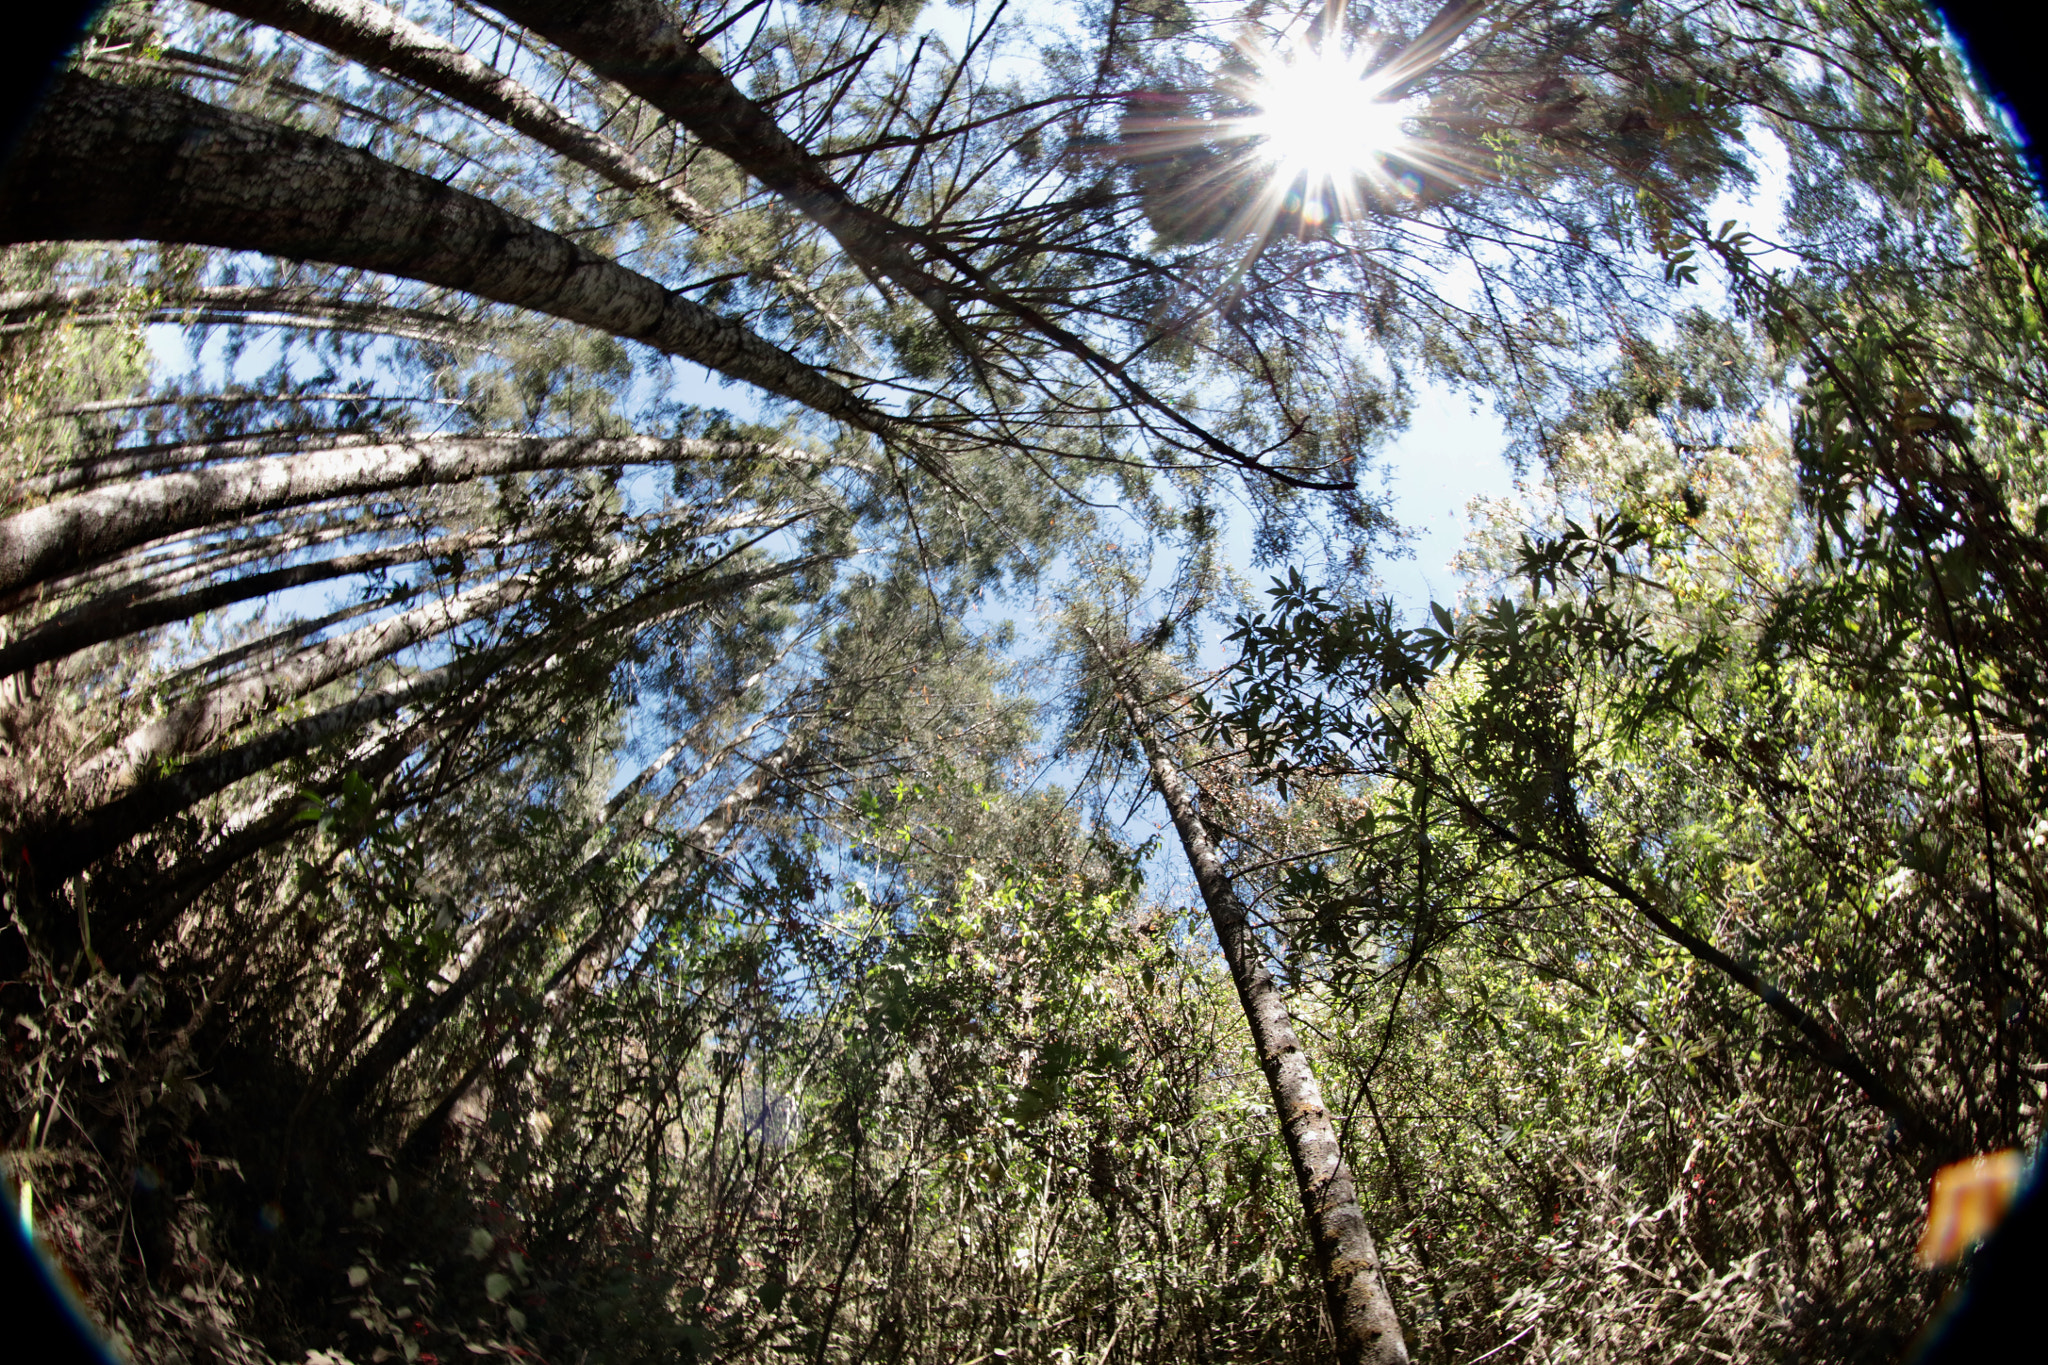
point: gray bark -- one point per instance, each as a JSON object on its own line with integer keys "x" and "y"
{"x": 638, "y": 45}
{"x": 177, "y": 561}
{"x": 384, "y": 40}
{"x": 89, "y": 470}
{"x": 293, "y": 633}
{"x": 149, "y": 602}
{"x": 68, "y": 848}
{"x": 413, "y": 1023}
{"x": 580, "y": 970}
{"x": 608, "y": 940}
{"x": 274, "y": 822}
{"x": 115, "y": 162}
{"x": 225, "y": 400}
{"x": 226, "y": 706}
{"x": 1361, "y": 1312}
{"x": 74, "y": 533}
{"x": 139, "y": 606}
{"x": 238, "y": 305}
{"x": 114, "y": 776}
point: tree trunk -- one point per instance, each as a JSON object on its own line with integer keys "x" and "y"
{"x": 382, "y": 39}
{"x": 428, "y": 1012}
{"x": 603, "y": 945}
{"x": 155, "y": 909}
{"x": 238, "y": 305}
{"x": 139, "y": 607}
{"x": 79, "y": 840}
{"x": 89, "y": 469}
{"x": 229, "y": 704}
{"x": 1362, "y": 1314}
{"x": 116, "y": 162}
{"x": 175, "y": 564}
{"x": 75, "y": 844}
{"x": 637, "y": 45}
{"x": 76, "y": 533}
{"x": 226, "y": 706}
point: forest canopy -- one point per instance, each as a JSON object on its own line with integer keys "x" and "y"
{"x": 710, "y": 681}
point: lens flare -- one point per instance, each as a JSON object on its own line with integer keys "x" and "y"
{"x": 1320, "y": 116}
{"x": 1300, "y": 135}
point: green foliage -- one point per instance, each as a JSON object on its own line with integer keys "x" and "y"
{"x": 1623, "y": 786}
{"x": 676, "y": 957}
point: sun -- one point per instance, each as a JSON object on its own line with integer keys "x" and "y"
{"x": 1298, "y": 135}
{"x": 1318, "y": 114}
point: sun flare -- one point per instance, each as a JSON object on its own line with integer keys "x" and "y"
{"x": 1321, "y": 116}
{"x": 1303, "y": 136}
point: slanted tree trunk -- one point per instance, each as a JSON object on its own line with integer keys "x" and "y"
{"x": 638, "y": 45}
{"x": 106, "y": 161}
{"x": 427, "y": 1012}
{"x": 148, "y": 914}
{"x": 89, "y": 469}
{"x": 382, "y": 39}
{"x": 612, "y": 936}
{"x": 76, "y": 533}
{"x": 1361, "y": 1312}
{"x": 602, "y": 946}
{"x": 227, "y": 705}
{"x": 239, "y": 305}
{"x": 72, "y": 845}
{"x": 149, "y": 602}
{"x": 177, "y": 563}
{"x": 138, "y": 607}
